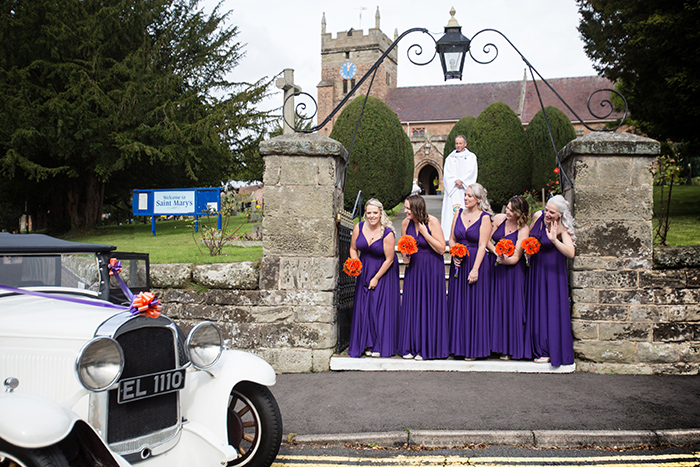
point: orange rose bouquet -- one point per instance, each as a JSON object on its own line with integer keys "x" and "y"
{"x": 407, "y": 245}
{"x": 504, "y": 247}
{"x": 460, "y": 251}
{"x": 352, "y": 267}
{"x": 530, "y": 246}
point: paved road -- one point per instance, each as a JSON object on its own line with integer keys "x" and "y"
{"x": 355, "y": 402}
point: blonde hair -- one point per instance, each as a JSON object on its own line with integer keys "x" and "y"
{"x": 480, "y": 194}
{"x": 383, "y": 218}
{"x": 567, "y": 220}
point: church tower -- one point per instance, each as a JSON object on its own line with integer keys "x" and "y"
{"x": 345, "y": 59}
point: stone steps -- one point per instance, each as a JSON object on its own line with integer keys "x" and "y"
{"x": 402, "y": 269}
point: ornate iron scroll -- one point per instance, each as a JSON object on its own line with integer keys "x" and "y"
{"x": 416, "y": 50}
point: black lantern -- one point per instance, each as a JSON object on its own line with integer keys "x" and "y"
{"x": 452, "y": 48}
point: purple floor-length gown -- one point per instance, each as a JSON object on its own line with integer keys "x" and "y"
{"x": 375, "y": 312}
{"x": 423, "y": 317}
{"x": 508, "y": 303}
{"x": 547, "y": 301}
{"x": 468, "y": 304}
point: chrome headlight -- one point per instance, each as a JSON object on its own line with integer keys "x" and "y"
{"x": 99, "y": 364}
{"x": 204, "y": 345}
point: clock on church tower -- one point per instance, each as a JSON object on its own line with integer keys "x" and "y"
{"x": 348, "y": 70}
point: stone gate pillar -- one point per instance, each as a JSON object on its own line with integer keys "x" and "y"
{"x": 299, "y": 269}
{"x": 613, "y": 316}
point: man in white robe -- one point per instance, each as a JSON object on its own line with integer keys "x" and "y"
{"x": 460, "y": 170}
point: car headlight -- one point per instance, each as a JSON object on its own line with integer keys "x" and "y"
{"x": 204, "y": 345}
{"x": 99, "y": 364}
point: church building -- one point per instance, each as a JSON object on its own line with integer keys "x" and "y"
{"x": 428, "y": 113}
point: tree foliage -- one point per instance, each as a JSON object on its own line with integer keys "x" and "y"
{"x": 463, "y": 127}
{"x": 503, "y": 153}
{"x": 381, "y": 163}
{"x": 652, "y": 48}
{"x": 100, "y": 97}
{"x": 543, "y": 158}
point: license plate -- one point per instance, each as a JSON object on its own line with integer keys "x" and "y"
{"x": 141, "y": 387}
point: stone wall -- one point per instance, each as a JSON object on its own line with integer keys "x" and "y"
{"x": 282, "y": 307}
{"x": 627, "y": 317}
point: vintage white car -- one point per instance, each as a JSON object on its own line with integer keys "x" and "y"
{"x": 92, "y": 379}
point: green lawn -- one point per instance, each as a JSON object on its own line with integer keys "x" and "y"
{"x": 684, "y": 228}
{"x": 173, "y": 242}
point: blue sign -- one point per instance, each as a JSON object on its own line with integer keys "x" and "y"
{"x": 177, "y": 201}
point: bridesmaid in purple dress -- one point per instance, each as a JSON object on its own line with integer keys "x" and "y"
{"x": 546, "y": 286}
{"x": 375, "y": 312}
{"x": 468, "y": 297}
{"x": 423, "y": 317}
{"x": 508, "y": 282}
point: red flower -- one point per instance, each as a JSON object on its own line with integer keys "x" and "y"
{"x": 531, "y": 245}
{"x": 556, "y": 170}
{"x": 459, "y": 250}
{"x": 505, "y": 247}
{"x": 408, "y": 245}
{"x": 352, "y": 267}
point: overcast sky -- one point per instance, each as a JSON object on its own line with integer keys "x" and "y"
{"x": 287, "y": 34}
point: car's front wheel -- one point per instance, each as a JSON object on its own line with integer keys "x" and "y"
{"x": 254, "y": 425}
{"x": 13, "y": 456}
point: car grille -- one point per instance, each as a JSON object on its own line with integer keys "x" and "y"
{"x": 146, "y": 350}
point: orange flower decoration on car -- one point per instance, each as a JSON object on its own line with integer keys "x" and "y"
{"x": 408, "y": 245}
{"x": 114, "y": 266}
{"x": 352, "y": 267}
{"x": 505, "y": 247}
{"x": 146, "y": 303}
{"x": 531, "y": 245}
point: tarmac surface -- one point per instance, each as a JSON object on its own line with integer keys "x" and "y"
{"x": 455, "y": 408}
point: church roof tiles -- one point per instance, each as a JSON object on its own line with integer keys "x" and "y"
{"x": 452, "y": 102}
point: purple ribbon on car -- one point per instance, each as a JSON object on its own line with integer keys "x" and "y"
{"x": 115, "y": 267}
{"x": 65, "y": 298}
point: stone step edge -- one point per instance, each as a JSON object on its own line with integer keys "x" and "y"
{"x": 490, "y": 365}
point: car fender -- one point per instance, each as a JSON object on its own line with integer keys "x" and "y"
{"x": 205, "y": 396}
{"x": 30, "y": 421}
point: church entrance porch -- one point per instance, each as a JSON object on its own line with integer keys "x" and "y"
{"x": 429, "y": 180}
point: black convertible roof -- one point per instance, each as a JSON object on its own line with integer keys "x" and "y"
{"x": 39, "y": 243}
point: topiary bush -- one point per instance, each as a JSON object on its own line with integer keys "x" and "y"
{"x": 381, "y": 163}
{"x": 462, "y": 127}
{"x": 543, "y": 158}
{"x": 503, "y": 153}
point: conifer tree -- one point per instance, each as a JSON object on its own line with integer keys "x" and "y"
{"x": 100, "y": 97}
{"x": 381, "y": 163}
{"x": 503, "y": 153}
{"x": 543, "y": 157}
